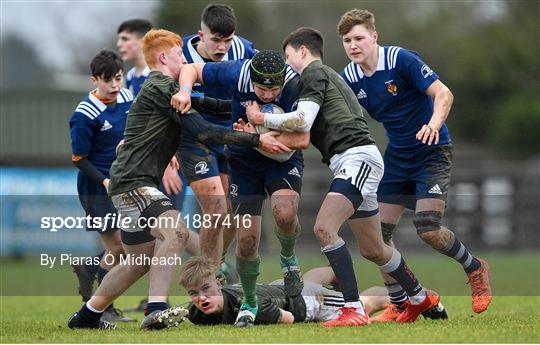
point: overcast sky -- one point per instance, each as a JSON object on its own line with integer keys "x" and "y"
{"x": 56, "y": 28}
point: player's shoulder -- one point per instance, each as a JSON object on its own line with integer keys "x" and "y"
{"x": 352, "y": 73}
{"x": 244, "y": 79}
{"x": 125, "y": 96}
{"x": 130, "y": 74}
{"x": 90, "y": 107}
{"x": 241, "y": 48}
{"x": 396, "y": 56}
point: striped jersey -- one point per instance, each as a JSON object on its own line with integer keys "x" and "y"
{"x": 395, "y": 95}
{"x": 240, "y": 49}
{"x": 96, "y": 128}
{"x": 134, "y": 82}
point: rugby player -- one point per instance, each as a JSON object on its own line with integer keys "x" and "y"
{"x": 205, "y": 166}
{"x": 96, "y": 127}
{"x": 152, "y": 135}
{"x": 402, "y": 92}
{"x": 265, "y": 78}
{"x": 328, "y": 108}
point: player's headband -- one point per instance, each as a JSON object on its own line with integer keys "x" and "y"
{"x": 267, "y": 68}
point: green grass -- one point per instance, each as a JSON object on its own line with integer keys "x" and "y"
{"x": 510, "y": 319}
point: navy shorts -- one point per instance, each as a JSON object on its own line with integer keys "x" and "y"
{"x": 413, "y": 175}
{"x": 199, "y": 161}
{"x": 96, "y": 203}
{"x": 252, "y": 181}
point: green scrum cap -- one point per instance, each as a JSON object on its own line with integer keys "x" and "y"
{"x": 267, "y": 68}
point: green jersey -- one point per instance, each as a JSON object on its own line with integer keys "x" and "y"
{"x": 151, "y": 137}
{"x": 340, "y": 123}
{"x": 270, "y": 298}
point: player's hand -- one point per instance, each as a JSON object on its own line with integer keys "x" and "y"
{"x": 181, "y": 101}
{"x": 253, "y": 112}
{"x": 428, "y": 134}
{"x": 119, "y": 144}
{"x": 269, "y": 143}
{"x": 171, "y": 181}
{"x": 174, "y": 163}
{"x": 242, "y": 126}
{"x": 106, "y": 184}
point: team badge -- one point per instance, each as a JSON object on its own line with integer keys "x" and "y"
{"x": 391, "y": 87}
{"x": 201, "y": 168}
{"x": 233, "y": 190}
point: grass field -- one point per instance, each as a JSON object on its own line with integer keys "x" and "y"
{"x": 513, "y": 317}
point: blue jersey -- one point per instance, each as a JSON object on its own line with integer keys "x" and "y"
{"x": 97, "y": 128}
{"x": 134, "y": 82}
{"x": 234, "y": 76}
{"x": 395, "y": 95}
{"x": 240, "y": 49}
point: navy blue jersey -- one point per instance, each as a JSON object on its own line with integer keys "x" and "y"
{"x": 97, "y": 128}
{"x": 240, "y": 49}
{"x": 235, "y": 77}
{"x": 395, "y": 95}
{"x": 134, "y": 82}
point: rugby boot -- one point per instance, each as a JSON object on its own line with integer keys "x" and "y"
{"x": 481, "y": 289}
{"x": 437, "y": 313}
{"x": 246, "y": 316}
{"x": 112, "y": 314}
{"x": 160, "y": 319}
{"x": 390, "y": 313}
{"x": 348, "y": 316}
{"x": 75, "y": 321}
{"x": 412, "y": 311}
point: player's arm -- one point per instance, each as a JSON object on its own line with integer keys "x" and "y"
{"x": 442, "y": 103}
{"x": 209, "y": 133}
{"x": 212, "y": 106}
{"x": 189, "y": 75}
{"x": 295, "y": 141}
{"x": 300, "y": 120}
{"x": 81, "y": 130}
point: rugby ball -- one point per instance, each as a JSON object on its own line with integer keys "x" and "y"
{"x": 274, "y": 109}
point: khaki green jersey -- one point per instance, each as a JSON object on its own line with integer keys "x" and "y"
{"x": 340, "y": 123}
{"x": 151, "y": 137}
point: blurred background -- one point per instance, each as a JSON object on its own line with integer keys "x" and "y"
{"x": 486, "y": 52}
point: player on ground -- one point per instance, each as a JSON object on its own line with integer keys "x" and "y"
{"x": 205, "y": 166}
{"x": 339, "y": 131}
{"x": 401, "y": 91}
{"x": 96, "y": 127}
{"x": 265, "y": 79}
{"x": 151, "y": 137}
{"x": 214, "y": 304}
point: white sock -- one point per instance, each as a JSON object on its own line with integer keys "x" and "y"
{"x": 92, "y": 309}
{"x": 418, "y": 298}
{"x": 356, "y": 305}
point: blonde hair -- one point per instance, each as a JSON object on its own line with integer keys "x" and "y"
{"x": 356, "y": 17}
{"x": 195, "y": 270}
{"x": 158, "y": 40}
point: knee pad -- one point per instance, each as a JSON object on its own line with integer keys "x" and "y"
{"x": 425, "y": 221}
{"x": 387, "y": 231}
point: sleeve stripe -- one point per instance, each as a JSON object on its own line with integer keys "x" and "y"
{"x": 391, "y": 56}
{"x": 359, "y": 73}
{"x": 243, "y": 81}
{"x": 89, "y": 109}
{"x": 85, "y": 113}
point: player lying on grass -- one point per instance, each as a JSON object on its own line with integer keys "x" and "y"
{"x": 212, "y": 303}
{"x": 152, "y": 136}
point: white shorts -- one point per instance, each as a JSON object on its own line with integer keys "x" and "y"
{"x": 363, "y": 168}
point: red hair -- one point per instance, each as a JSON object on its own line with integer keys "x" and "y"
{"x": 156, "y": 41}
